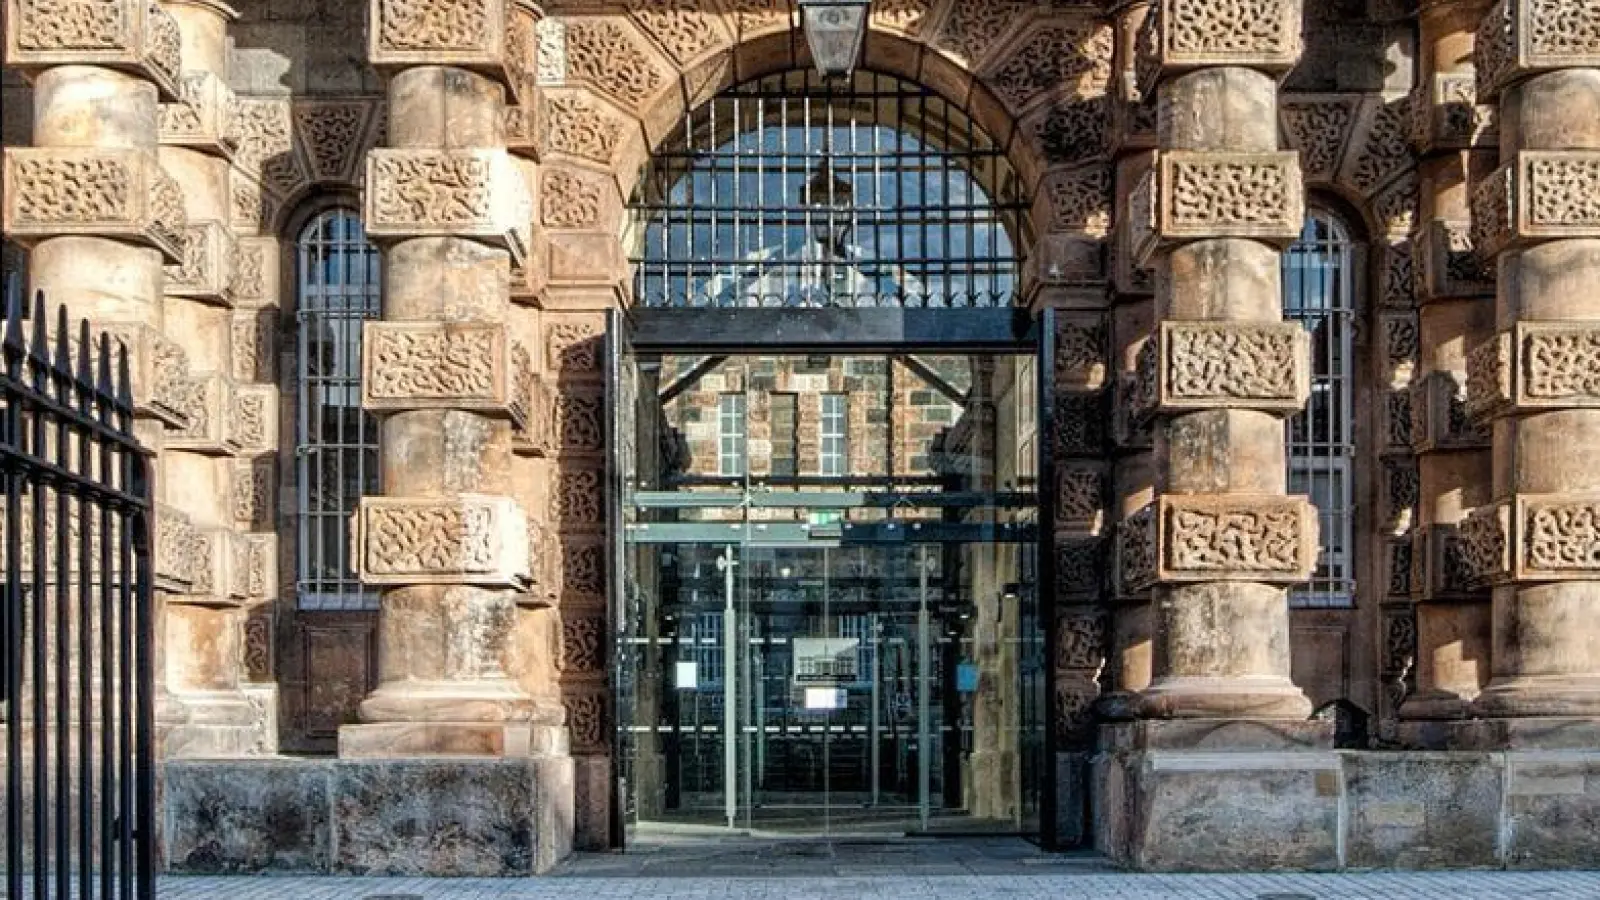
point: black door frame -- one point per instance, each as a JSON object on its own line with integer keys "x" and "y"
{"x": 844, "y": 331}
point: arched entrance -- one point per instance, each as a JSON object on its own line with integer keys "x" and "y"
{"x": 829, "y": 593}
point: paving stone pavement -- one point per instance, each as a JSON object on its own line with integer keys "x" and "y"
{"x": 752, "y": 869}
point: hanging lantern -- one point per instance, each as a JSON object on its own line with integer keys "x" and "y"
{"x": 835, "y": 31}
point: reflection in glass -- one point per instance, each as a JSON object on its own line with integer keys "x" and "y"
{"x": 878, "y": 637}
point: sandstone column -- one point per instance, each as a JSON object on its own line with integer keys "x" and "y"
{"x": 226, "y": 420}
{"x": 446, "y": 541}
{"x": 1455, "y": 300}
{"x": 1538, "y": 216}
{"x": 101, "y": 218}
{"x": 1223, "y": 541}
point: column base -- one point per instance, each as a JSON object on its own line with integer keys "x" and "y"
{"x": 397, "y": 740}
{"x": 488, "y": 701}
{"x": 1224, "y": 698}
{"x": 214, "y": 725}
{"x": 1436, "y": 705}
{"x": 1546, "y": 696}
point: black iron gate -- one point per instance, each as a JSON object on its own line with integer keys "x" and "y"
{"x": 77, "y": 623}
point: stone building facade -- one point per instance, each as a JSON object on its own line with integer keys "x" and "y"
{"x": 392, "y": 235}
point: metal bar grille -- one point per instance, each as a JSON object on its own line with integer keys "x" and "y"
{"x": 797, "y": 191}
{"x": 78, "y": 626}
{"x": 336, "y": 449}
{"x": 1318, "y": 289}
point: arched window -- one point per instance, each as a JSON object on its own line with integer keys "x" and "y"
{"x": 793, "y": 190}
{"x": 336, "y": 442}
{"x": 1319, "y": 292}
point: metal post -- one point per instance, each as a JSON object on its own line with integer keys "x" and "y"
{"x": 924, "y": 691}
{"x": 876, "y": 636}
{"x": 730, "y": 693}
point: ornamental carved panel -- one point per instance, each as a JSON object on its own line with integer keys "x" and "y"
{"x": 570, "y": 200}
{"x": 1439, "y": 416}
{"x": 1535, "y": 366}
{"x": 202, "y": 116}
{"x": 1521, "y": 38}
{"x": 608, "y": 56}
{"x": 1081, "y": 636}
{"x": 158, "y": 370}
{"x": 134, "y": 35}
{"x": 1188, "y": 34}
{"x": 407, "y": 365}
{"x": 1318, "y": 127}
{"x": 1082, "y": 347}
{"x": 686, "y": 32}
{"x": 207, "y": 406}
{"x": 1560, "y": 537}
{"x": 466, "y": 193}
{"x": 1077, "y": 200}
{"x": 178, "y": 550}
{"x": 1210, "y": 365}
{"x": 578, "y": 501}
{"x": 1446, "y": 115}
{"x": 253, "y": 493}
{"x": 1441, "y": 569}
{"x": 586, "y": 721}
{"x": 573, "y": 347}
{"x": 972, "y": 31}
{"x": 114, "y": 193}
{"x": 1200, "y": 194}
{"x": 578, "y": 126}
{"x": 332, "y": 136}
{"x": 1136, "y": 553}
{"x": 206, "y": 271}
{"x": 1079, "y": 562}
{"x": 466, "y": 33}
{"x": 1447, "y": 265}
{"x": 1538, "y": 195}
{"x": 1226, "y": 537}
{"x": 583, "y": 643}
{"x": 465, "y": 539}
{"x": 1075, "y": 54}
{"x": 1080, "y": 496}
{"x": 580, "y": 423}
{"x": 1484, "y": 536}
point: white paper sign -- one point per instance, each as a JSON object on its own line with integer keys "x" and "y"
{"x": 825, "y": 698}
{"x": 688, "y": 675}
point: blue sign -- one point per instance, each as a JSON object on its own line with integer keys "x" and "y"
{"x": 967, "y": 678}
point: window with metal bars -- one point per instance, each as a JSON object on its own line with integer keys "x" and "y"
{"x": 1319, "y": 292}
{"x": 834, "y": 435}
{"x": 731, "y": 435}
{"x": 336, "y": 442}
{"x": 797, "y": 191}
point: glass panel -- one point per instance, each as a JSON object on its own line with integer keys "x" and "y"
{"x": 870, "y": 662}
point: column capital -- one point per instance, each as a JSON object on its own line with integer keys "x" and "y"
{"x": 1519, "y": 39}
{"x": 1183, "y": 35}
{"x": 466, "y": 539}
{"x": 134, "y": 36}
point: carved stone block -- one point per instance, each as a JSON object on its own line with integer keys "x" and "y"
{"x": 1439, "y": 570}
{"x": 1538, "y": 195}
{"x": 470, "y": 34}
{"x": 479, "y": 194}
{"x": 1439, "y": 419}
{"x": 1180, "y": 35}
{"x": 424, "y": 365}
{"x": 222, "y": 565}
{"x": 1535, "y": 538}
{"x": 1081, "y": 351}
{"x": 1446, "y": 265}
{"x": 255, "y": 273}
{"x": 1224, "y": 537}
{"x": 134, "y": 36}
{"x": 1535, "y": 366}
{"x": 1232, "y": 365}
{"x": 202, "y": 116}
{"x": 158, "y": 370}
{"x": 206, "y": 273}
{"x": 468, "y": 539}
{"x": 177, "y": 548}
{"x": 1080, "y": 496}
{"x": 1446, "y": 115}
{"x": 119, "y": 193}
{"x": 525, "y": 130}
{"x": 1193, "y": 195}
{"x": 226, "y": 419}
{"x": 536, "y": 436}
{"x": 1135, "y": 563}
{"x": 1518, "y": 39}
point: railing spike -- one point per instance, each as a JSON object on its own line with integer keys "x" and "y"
{"x": 15, "y": 344}
{"x": 61, "y": 365}
{"x": 85, "y": 373}
{"x": 105, "y": 392}
{"x": 39, "y": 347}
{"x": 124, "y": 383}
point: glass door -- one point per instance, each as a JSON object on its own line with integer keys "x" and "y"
{"x": 824, "y": 628}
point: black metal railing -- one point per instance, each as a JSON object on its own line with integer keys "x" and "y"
{"x": 77, "y": 625}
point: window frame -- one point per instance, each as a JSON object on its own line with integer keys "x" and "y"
{"x": 835, "y": 463}
{"x": 324, "y": 244}
{"x": 1320, "y": 285}
{"x": 733, "y": 460}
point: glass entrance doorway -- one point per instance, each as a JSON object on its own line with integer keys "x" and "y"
{"x": 829, "y": 622}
